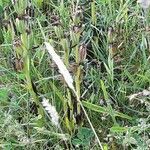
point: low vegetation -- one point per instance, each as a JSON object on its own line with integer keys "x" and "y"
{"x": 74, "y": 74}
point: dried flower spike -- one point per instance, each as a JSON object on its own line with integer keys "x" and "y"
{"x": 82, "y": 52}
{"x": 18, "y": 64}
{"x": 51, "y": 111}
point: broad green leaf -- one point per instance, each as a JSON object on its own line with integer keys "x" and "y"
{"x": 84, "y": 136}
{"x": 76, "y": 141}
{"x": 85, "y": 133}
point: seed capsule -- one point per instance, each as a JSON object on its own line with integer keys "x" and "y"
{"x": 18, "y": 64}
{"x": 82, "y": 52}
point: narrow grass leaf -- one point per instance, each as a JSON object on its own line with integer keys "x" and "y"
{"x": 104, "y": 90}
{"x": 94, "y": 107}
{"x": 100, "y": 109}
{"x": 44, "y": 131}
{"x": 117, "y": 129}
{"x": 109, "y": 107}
{"x": 118, "y": 114}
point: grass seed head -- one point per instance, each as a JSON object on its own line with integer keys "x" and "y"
{"x": 51, "y": 111}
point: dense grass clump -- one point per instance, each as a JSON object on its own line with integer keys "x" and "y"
{"x": 74, "y": 74}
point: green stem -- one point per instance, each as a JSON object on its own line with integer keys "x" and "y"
{"x": 93, "y": 12}
{"x": 77, "y": 80}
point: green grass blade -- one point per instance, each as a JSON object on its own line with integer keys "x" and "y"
{"x": 94, "y": 107}
{"x": 117, "y": 129}
{"x": 100, "y": 109}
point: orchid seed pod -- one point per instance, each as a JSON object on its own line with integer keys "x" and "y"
{"x": 82, "y": 52}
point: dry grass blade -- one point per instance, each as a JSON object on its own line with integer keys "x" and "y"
{"x": 62, "y": 68}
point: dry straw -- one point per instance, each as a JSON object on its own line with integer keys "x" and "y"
{"x": 62, "y": 68}
{"x": 69, "y": 80}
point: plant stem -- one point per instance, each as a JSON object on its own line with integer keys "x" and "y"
{"x": 86, "y": 115}
{"x": 93, "y": 13}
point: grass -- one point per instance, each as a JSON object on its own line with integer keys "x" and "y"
{"x": 105, "y": 47}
